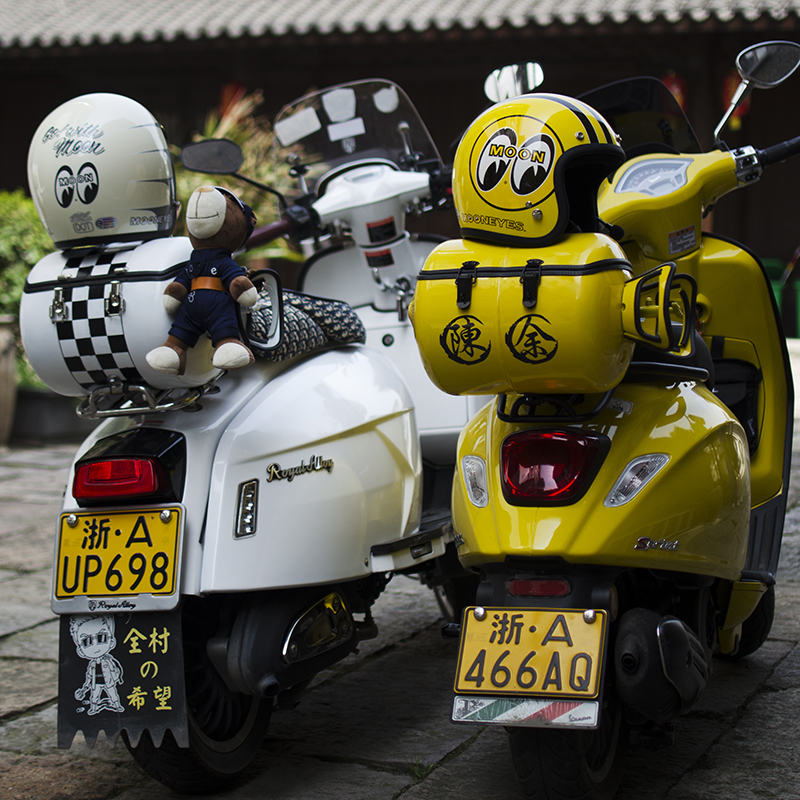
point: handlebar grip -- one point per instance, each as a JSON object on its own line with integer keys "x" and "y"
{"x": 779, "y": 152}
{"x": 268, "y": 233}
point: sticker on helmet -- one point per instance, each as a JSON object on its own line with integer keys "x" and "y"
{"x": 532, "y": 164}
{"x": 528, "y": 339}
{"x": 65, "y": 186}
{"x": 88, "y": 183}
{"x": 460, "y": 340}
{"x": 513, "y": 162}
{"x": 82, "y": 222}
{"x": 85, "y": 184}
{"x": 493, "y": 160}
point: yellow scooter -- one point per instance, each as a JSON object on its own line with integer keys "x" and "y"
{"x": 622, "y": 497}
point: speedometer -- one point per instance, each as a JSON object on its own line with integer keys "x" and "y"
{"x": 656, "y": 177}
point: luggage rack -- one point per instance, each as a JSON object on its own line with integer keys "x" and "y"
{"x": 119, "y": 399}
{"x": 565, "y": 408}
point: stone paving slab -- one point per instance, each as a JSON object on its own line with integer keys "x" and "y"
{"x": 25, "y": 602}
{"x": 25, "y": 684}
{"x": 377, "y": 724}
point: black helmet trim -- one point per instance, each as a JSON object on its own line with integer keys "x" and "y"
{"x": 581, "y": 115}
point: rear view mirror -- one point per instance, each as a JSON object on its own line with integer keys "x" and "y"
{"x": 513, "y": 80}
{"x": 214, "y": 156}
{"x": 263, "y": 324}
{"x": 762, "y": 66}
{"x": 768, "y": 64}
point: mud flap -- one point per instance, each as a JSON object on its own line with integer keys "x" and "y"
{"x": 121, "y": 672}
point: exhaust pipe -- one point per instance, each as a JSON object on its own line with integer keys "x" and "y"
{"x": 661, "y": 665}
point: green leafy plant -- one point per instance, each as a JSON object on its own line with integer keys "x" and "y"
{"x": 254, "y": 135}
{"x": 23, "y": 241}
{"x": 419, "y": 769}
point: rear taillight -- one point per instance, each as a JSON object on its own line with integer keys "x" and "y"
{"x": 119, "y": 478}
{"x": 550, "y": 467}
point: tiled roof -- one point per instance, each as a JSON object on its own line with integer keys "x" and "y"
{"x": 51, "y": 23}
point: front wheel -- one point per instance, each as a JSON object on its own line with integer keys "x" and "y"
{"x": 570, "y": 764}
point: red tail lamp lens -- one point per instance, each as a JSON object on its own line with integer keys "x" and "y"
{"x": 539, "y": 587}
{"x": 119, "y": 477}
{"x": 549, "y": 466}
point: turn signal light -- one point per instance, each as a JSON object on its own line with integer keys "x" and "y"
{"x": 550, "y": 467}
{"x": 118, "y": 477}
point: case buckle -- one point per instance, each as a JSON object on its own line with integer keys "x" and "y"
{"x": 114, "y": 304}
{"x": 467, "y": 276}
{"x": 59, "y": 311}
{"x": 530, "y": 280}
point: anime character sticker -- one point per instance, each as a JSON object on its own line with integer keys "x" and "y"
{"x": 94, "y": 640}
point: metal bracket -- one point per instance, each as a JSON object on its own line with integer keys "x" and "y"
{"x": 115, "y": 305}
{"x": 59, "y": 312}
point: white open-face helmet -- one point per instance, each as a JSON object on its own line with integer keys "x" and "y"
{"x": 100, "y": 171}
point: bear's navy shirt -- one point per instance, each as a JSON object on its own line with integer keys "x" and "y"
{"x": 211, "y": 263}
{"x": 207, "y": 310}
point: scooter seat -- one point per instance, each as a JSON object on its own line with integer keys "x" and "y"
{"x": 309, "y": 324}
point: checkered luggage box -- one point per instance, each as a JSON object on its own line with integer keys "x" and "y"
{"x": 90, "y": 316}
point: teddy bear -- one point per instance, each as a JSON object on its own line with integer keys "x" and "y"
{"x": 203, "y": 296}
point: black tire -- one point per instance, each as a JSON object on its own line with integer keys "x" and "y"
{"x": 453, "y": 595}
{"x": 226, "y": 728}
{"x": 556, "y": 764}
{"x": 756, "y": 628}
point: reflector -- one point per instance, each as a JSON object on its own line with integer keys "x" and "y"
{"x": 539, "y": 587}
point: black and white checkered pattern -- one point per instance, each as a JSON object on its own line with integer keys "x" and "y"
{"x": 92, "y": 344}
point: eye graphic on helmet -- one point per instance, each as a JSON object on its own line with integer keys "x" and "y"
{"x": 495, "y": 157}
{"x": 532, "y": 164}
{"x": 65, "y": 186}
{"x": 87, "y": 183}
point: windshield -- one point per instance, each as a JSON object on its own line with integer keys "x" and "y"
{"x": 646, "y": 115}
{"x": 370, "y": 121}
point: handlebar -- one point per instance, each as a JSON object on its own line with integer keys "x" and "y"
{"x": 268, "y": 233}
{"x": 779, "y": 152}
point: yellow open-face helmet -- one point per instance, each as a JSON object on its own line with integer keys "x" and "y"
{"x": 528, "y": 167}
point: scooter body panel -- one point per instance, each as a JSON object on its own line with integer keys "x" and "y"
{"x": 694, "y": 513}
{"x": 332, "y": 273}
{"x": 735, "y": 302}
{"x": 332, "y": 449}
{"x": 201, "y": 430}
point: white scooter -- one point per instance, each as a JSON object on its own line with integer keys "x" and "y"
{"x": 223, "y": 536}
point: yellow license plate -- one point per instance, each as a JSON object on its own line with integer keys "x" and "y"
{"x": 544, "y": 652}
{"x": 102, "y": 554}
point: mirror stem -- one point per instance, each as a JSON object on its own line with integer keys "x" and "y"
{"x": 741, "y": 93}
{"x": 263, "y": 187}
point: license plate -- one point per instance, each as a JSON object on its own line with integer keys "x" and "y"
{"x": 119, "y": 553}
{"x": 535, "y": 652}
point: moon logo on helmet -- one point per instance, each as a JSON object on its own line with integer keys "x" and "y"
{"x": 506, "y": 169}
{"x": 65, "y": 186}
{"x": 531, "y": 167}
{"x": 494, "y": 160}
{"x": 88, "y": 184}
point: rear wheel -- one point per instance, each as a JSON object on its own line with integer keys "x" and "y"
{"x": 570, "y": 764}
{"x": 226, "y": 728}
